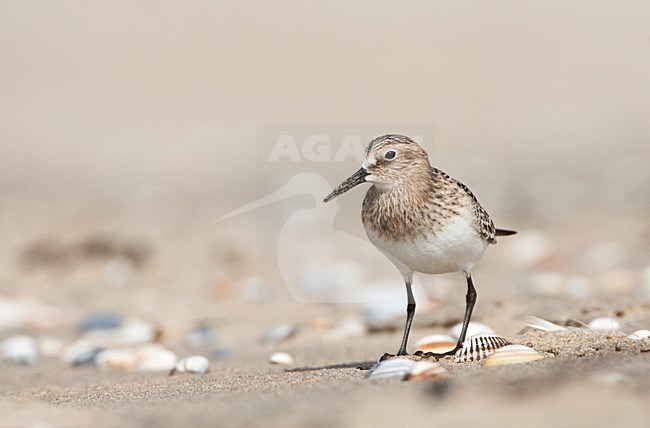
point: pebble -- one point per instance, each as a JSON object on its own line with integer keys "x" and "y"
{"x": 81, "y": 352}
{"x": 281, "y": 358}
{"x": 20, "y": 349}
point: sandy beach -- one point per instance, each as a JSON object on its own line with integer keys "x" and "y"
{"x": 162, "y": 171}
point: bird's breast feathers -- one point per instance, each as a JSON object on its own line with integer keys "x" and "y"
{"x": 455, "y": 247}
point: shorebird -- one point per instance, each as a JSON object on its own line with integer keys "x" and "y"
{"x": 421, "y": 219}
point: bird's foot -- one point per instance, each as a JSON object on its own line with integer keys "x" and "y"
{"x": 388, "y": 356}
{"x": 436, "y": 355}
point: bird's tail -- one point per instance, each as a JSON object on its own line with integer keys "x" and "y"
{"x": 505, "y": 232}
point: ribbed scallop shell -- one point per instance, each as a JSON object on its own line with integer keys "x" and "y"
{"x": 478, "y": 347}
{"x": 512, "y": 354}
{"x": 427, "y": 370}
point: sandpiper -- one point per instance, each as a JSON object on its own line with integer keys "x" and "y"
{"x": 420, "y": 218}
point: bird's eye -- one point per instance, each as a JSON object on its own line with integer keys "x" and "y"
{"x": 390, "y": 155}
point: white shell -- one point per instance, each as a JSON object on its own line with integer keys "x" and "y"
{"x": 194, "y": 364}
{"x": 604, "y": 323}
{"x": 427, "y": 370}
{"x": 19, "y": 349}
{"x": 436, "y": 343}
{"x": 406, "y": 369}
{"x": 639, "y": 335}
{"x": 155, "y": 359}
{"x": 473, "y": 329}
{"x": 512, "y": 354}
{"x": 281, "y": 358}
{"x": 394, "y": 368}
{"x": 542, "y": 324}
{"x": 80, "y": 352}
{"x": 479, "y": 347}
{"x": 116, "y": 359}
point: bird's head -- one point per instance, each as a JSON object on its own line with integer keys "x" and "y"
{"x": 390, "y": 161}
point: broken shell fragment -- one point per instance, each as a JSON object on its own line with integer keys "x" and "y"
{"x": 640, "y": 335}
{"x": 20, "y": 349}
{"x": 542, "y": 324}
{"x": 478, "y": 347}
{"x": 512, "y": 354}
{"x": 427, "y": 370}
{"x": 436, "y": 343}
{"x": 405, "y": 369}
{"x": 194, "y": 364}
{"x": 394, "y": 368}
{"x": 604, "y": 323}
{"x": 281, "y": 358}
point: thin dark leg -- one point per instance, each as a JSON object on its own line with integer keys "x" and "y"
{"x": 410, "y": 311}
{"x": 470, "y": 300}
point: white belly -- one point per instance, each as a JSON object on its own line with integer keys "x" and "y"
{"x": 455, "y": 248}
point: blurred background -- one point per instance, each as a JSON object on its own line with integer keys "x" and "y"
{"x": 128, "y": 128}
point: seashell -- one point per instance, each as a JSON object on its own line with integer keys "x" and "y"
{"x": 639, "y": 335}
{"x": 281, "y": 358}
{"x": 194, "y": 364}
{"x": 116, "y": 359}
{"x": 81, "y": 352}
{"x": 155, "y": 359}
{"x": 512, "y": 354}
{"x": 436, "y": 343}
{"x": 278, "y": 333}
{"x": 479, "y": 347}
{"x": 20, "y": 349}
{"x": 542, "y": 324}
{"x": 604, "y": 323}
{"x": 473, "y": 329}
{"x": 394, "y": 368}
{"x": 427, "y": 370}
